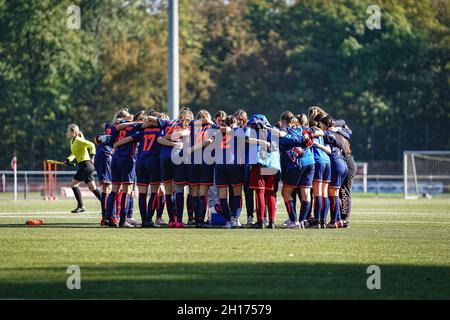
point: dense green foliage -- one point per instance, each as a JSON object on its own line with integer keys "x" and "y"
{"x": 409, "y": 240}
{"x": 391, "y": 85}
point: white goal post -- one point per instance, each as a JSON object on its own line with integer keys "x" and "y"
{"x": 361, "y": 173}
{"x": 426, "y": 173}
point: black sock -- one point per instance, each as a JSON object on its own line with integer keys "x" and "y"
{"x": 160, "y": 207}
{"x": 77, "y": 194}
{"x": 194, "y": 201}
{"x": 249, "y": 202}
{"x": 123, "y": 208}
{"x": 179, "y": 202}
{"x": 170, "y": 207}
{"x": 190, "y": 208}
{"x": 225, "y": 209}
{"x": 103, "y": 204}
{"x": 130, "y": 206}
{"x": 143, "y": 207}
{"x": 236, "y": 205}
{"x": 110, "y": 204}
{"x": 97, "y": 194}
{"x": 202, "y": 208}
{"x": 152, "y": 205}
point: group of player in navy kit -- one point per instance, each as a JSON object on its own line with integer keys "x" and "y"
{"x": 307, "y": 156}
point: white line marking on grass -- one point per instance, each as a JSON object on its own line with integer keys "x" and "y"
{"x": 44, "y": 213}
{"x": 388, "y": 212}
{"x": 403, "y": 222}
{"x": 47, "y": 217}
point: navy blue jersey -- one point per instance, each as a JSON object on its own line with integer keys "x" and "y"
{"x": 104, "y": 149}
{"x": 198, "y": 134}
{"x": 168, "y": 128}
{"x": 147, "y": 140}
{"x": 335, "y": 144}
{"x": 128, "y": 149}
{"x": 232, "y": 147}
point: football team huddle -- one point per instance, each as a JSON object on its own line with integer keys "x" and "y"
{"x": 210, "y": 164}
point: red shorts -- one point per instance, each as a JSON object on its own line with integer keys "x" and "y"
{"x": 258, "y": 181}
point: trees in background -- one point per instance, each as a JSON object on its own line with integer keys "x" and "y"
{"x": 391, "y": 85}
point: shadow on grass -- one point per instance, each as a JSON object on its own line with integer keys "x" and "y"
{"x": 228, "y": 281}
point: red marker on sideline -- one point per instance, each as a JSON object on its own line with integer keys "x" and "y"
{"x": 34, "y": 222}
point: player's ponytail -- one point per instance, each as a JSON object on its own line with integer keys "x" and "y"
{"x": 316, "y": 112}
{"x": 347, "y": 150}
{"x": 121, "y": 114}
{"x": 289, "y": 119}
{"x": 327, "y": 121}
{"x": 75, "y": 130}
{"x": 139, "y": 116}
{"x": 231, "y": 121}
{"x": 303, "y": 120}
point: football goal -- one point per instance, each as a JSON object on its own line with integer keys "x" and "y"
{"x": 426, "y": 173}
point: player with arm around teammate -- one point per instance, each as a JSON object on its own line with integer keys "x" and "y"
{"x": 322, "y": 176}
{"x": 147, "y": 167}
{"x": 297, "y": 165}
{"x": 338, "y": 169}
{"x": 123, "y": 171}
{"x": 103, "y": 157}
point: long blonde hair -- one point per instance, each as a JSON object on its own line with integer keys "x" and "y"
{"x": 75, "y": 129}
{"x": 289, "y": 118}
{"x": 242, "y": 113}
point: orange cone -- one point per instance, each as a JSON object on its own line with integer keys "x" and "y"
{"x": 34, "y": 222}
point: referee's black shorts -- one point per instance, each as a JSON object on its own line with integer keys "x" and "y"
{"x": 85, "y": 172}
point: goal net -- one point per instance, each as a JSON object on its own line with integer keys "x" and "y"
{"x": 426, "y": 173}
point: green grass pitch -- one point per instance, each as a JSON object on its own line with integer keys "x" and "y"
{"x": 408, "y": 239}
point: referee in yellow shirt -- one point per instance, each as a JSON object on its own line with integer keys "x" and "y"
{"x": 83, "y": 151}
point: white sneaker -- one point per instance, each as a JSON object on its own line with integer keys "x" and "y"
{"x": 250, "y": 221}
{"x": 302, "y": 224}
{"x": 228, "y": 225}
{"x": 234, "y": 223}
{"x": 160, "y": 221}
{"x": 132, "y": 221}
{"x": 126, "y": 224}
{"x": 286, "y": 222}
{"x": 293, "y": 225}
